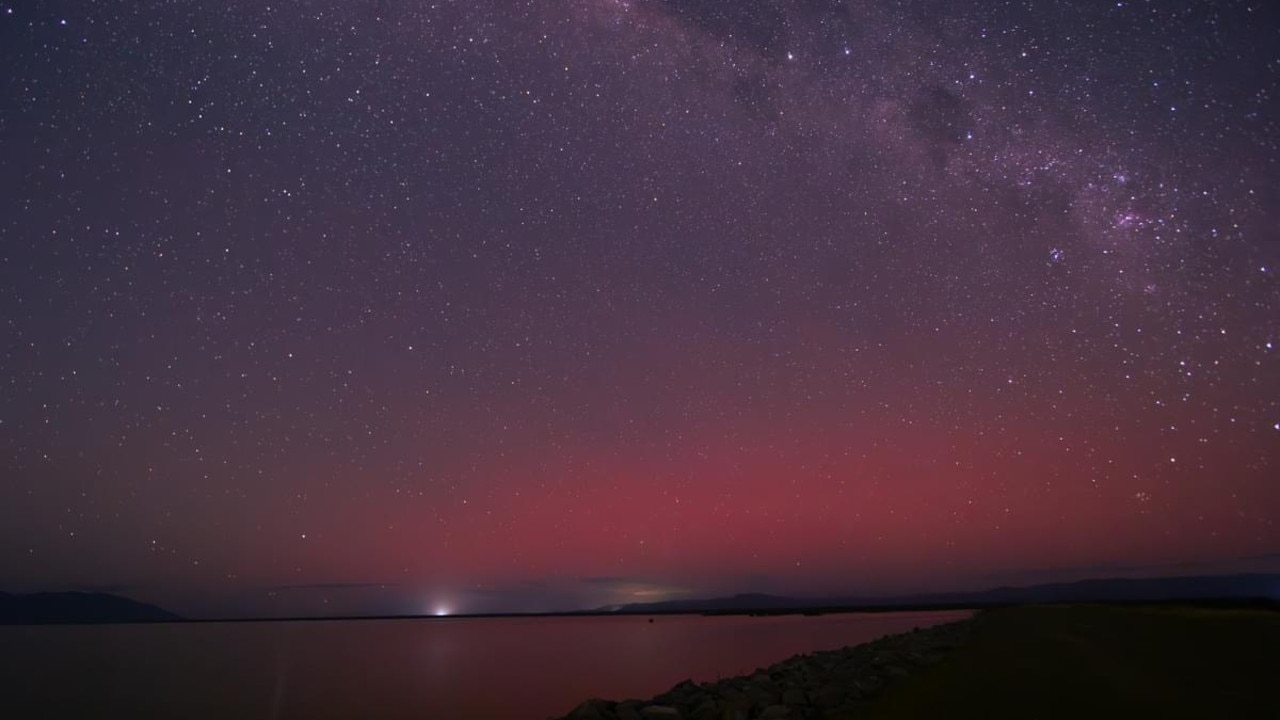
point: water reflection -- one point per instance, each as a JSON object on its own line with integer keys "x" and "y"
{"x": 455, "y": 667}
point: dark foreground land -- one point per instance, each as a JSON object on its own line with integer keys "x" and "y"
{"x": 1101, "y": 662}
{"x": 1046, "y": 662}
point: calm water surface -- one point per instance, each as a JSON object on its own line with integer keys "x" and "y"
{"x": 432, "y": 668}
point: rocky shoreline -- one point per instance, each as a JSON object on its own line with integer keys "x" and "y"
{"x": 814, "y": 686}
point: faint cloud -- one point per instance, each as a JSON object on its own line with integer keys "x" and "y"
{"x": 568, "y": 594}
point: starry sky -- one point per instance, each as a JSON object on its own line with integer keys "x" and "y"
{"x": 407, "y": 306}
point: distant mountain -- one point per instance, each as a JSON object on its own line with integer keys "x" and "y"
{"x": 1205, "y": 587}
{"x": 1209, "y": 587}
{"x": 76, "y": 607}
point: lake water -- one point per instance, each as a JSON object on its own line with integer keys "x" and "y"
{"x": 483, "y": 668}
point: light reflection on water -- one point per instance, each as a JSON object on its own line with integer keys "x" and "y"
{"x": 489, "y": 668}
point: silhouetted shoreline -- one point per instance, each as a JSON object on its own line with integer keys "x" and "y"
{"x": 807, "y": 685}
{"x": 1245, "y": 590}
{"x": 1174, "y": 659}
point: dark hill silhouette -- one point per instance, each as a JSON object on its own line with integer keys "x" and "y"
{"x": 1207, "y": 587}
{"x": 1199, "y": 588}
{"x": 77, "y": 607}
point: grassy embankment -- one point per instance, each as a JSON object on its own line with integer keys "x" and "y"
{"x": 1100, "y": 662}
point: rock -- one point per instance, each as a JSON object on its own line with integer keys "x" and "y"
{"x": 794, "y": 696}
{"x": 845, "y": 670}
{"x": 774, "y": 712}
{"x": 627, "y": 711}
{"x": 830, "y": 696}
{"x": 735, "y": 708}
{"x": 762, "y": 695}
{"x": 684, "y": 689}
{"x": 844, "y": 712}
{"x": 660, "y": 712}
{"x": 894, "y": 671}
{"x": 707, "y": 709}
{"x": 870, "y": 685}
{"x": 593, "y": 709}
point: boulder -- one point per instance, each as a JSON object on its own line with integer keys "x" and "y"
{"x": 735, "y": 708}
{"x": 894, "y": 671}
{"x": 846, "y": 670}
{"x": 869, "y": 685}
{"x": 774, "y": 712}
{"x": 659, "y": 712}
{"x": 708, "y": 709}
{"x": 794, "y": 696}
{"x": 593, "y": 709}
{"x": 684, "y": 688}
{"x": 829, "y": 696}
{"x": 763, "y": 695}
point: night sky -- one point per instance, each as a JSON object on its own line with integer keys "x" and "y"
{"x": 406, "y": 306}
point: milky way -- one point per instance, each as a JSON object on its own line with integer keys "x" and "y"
{"x": 397, "y": 305}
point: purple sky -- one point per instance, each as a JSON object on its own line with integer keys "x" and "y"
{"x": 396, "y": 305}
